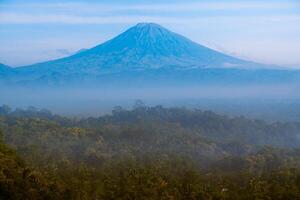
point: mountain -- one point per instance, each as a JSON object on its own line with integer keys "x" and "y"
{"x": 4, "y": 68}
{"x": 148, "y": 53}
{"x": 6, "y": 71}
{"x": 144, "y": 46}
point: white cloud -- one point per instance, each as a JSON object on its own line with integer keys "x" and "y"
{"x": 97, "y": 13}
{"x": 174, "y": 7}
{"x": 27, "y": 18}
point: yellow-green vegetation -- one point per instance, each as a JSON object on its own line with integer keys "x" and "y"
{"x": 147, "y": 153}
{"x": 17, "y": 181}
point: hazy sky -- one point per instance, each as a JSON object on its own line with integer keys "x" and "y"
{"x": 264, "y": 30}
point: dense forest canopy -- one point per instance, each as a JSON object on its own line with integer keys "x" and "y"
{"x": 147, "y": 153}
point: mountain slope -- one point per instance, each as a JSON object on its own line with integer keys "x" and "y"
{"x": 144, "y": 46}
{"x": 6, "y": 72}
{"x": 150, "y": 55}
{"x": 4, "y": 68}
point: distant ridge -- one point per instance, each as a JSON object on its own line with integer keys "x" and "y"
{"x": 5, "y": 68}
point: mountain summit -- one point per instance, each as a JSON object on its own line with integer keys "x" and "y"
{"x": 144, "y": 46}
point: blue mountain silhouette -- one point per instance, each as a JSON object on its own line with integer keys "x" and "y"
{"x": 150, "y": 52}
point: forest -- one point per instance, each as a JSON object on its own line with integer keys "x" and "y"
{"x": 147, "y": 153}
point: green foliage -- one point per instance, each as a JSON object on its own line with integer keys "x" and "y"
{"x": 147, "y": 153}
{"x": 20, "y": 182}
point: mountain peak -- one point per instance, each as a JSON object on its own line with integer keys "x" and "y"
{"x": 147, "y": 32}
{"x": 143, "y": 46}
{"x": 146, "y": 27}
{"x": 151, "y": 41}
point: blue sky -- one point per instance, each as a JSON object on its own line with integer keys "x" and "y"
{"x": 266, "y": 31}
